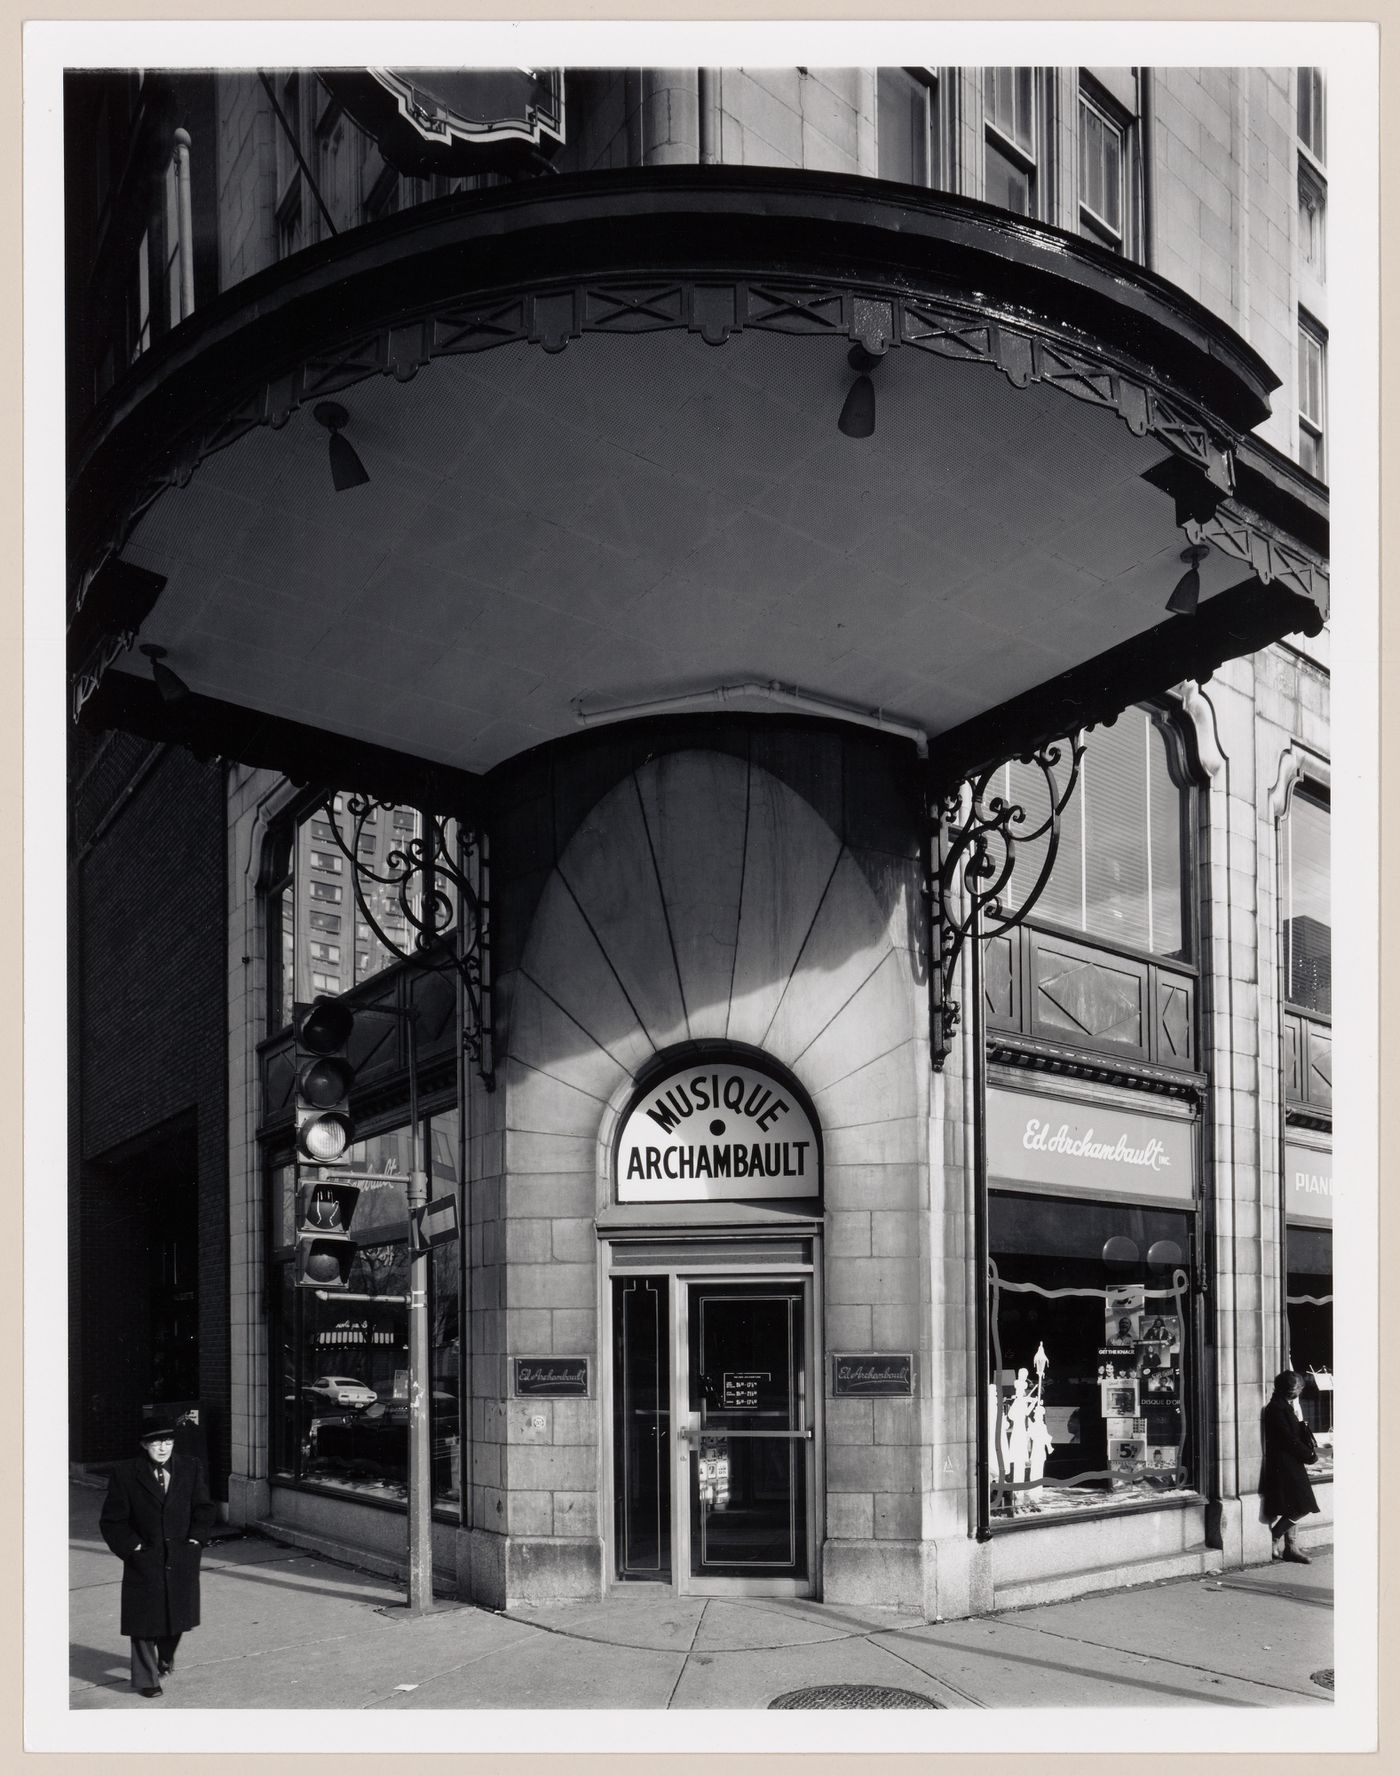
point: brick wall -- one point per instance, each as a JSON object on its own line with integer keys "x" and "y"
{"x": 146, "y": 1004}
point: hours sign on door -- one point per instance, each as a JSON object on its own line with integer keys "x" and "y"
{"x": 717, "y": 1132}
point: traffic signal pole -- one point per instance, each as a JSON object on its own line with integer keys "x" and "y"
{"x": 420, "y": 1468}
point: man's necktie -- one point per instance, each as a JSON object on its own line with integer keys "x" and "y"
{"x": 164, "y": 1473}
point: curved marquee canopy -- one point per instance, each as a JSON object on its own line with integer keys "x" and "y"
{"x": 598, "y": 418}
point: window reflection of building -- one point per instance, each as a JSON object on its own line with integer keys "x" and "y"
{"x": 1307, "y": 913}
{"x": 312, "y": 909}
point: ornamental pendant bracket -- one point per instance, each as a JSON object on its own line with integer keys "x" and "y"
{"x": 978, "y": 834}
{"x": 432, "y": 886}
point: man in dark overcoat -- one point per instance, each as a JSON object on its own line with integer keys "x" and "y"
{"x": 156, "y": 1519}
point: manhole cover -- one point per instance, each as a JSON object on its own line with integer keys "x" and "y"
{"x": 852, "y": 1695}
{"x": 1323, "y": 1679}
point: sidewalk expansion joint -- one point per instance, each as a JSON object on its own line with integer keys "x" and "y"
{"x": 1099, "y": 1645}
{"x": 943, "y": 1682}
{"x": 450, "y": 1670}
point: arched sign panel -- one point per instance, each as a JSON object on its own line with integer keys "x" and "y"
{"x": 717, "y": 1131}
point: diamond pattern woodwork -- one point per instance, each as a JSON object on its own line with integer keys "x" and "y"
{"x": 1307, "y": 1058}
{"x": 999, "y": 981}
{"x": 1084, "y": 998}
{"x": 1319, "y": 1091}
{"x": 1173, "y": 1022}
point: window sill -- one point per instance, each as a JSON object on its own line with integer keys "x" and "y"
{"x": 1018, "y": 1524}
{"x": 444, "y": 1513}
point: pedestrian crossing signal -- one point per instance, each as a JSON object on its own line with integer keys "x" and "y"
{"x": 325, "y": 1247}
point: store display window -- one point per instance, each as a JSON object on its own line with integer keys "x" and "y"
{"x": 1309, "y": 1303}
{"x": 1092, "y": 1384}
{"x": 341, "y": 1415}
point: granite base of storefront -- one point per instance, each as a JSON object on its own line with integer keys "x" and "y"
{"x": 1050, "y": 1561}
{"x": 502, "y": 1571}
{"x": 249, "y": 1500}
{"x": 939, "y": 1580}
{"x": 370, "y": 1539}
{"x": 1244, "y": 1535}
{"x": 874, "y": 1574}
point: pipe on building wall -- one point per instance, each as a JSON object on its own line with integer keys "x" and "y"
{"x": 182, "y": 192}
{"x": 708, "y": 88}
{"x": 1147, "y": 137}
{"x": 792, "y": 696}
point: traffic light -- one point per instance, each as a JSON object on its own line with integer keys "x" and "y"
{"x": 325, "y": 1249}
{"x": 324, "y": 1131}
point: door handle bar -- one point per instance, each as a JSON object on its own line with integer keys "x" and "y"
{"x": 685, "y": 1435}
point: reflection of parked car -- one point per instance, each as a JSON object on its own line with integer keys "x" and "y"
{"x": 342, "y": 1389}
{"x": 375, "y": 1442}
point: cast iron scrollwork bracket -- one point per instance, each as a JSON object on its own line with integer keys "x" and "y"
{"x": 439, "y": 881}
{"x": 978, "y": 834}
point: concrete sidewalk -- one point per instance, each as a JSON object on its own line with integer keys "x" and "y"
{"x": 287, "y": 1629}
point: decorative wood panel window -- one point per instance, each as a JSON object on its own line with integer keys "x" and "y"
{"x": 1312, "y": 397}
{"x": 908, "y": 126}
{"x": 1011, "y": 161}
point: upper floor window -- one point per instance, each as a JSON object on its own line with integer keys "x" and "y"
{"x": 1120, "y": 875}
{"x": 1312, "y": 221}
{"x": 1102, "y": 159}
{"x": 1312, "y": 397}
{"x": 1011, "y": 164}
{"x": 907, "y": 123}
{"x": 1307, "y": 905}
{"x": 1312, "y": 113}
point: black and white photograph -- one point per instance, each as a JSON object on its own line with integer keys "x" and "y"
{"x": 689, "y": 707}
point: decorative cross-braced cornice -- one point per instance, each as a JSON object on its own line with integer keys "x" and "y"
{"x": 438, "y": 880}
{"x": 714, "y": 307}
{"x": 979, "y": 834}
{"x": 1268, "y": 555}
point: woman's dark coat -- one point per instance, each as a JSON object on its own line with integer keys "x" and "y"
{"x": 1284, "y": 1487}
{"x": 160, "y": 1582}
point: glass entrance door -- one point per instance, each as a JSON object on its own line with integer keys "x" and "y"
{"x": 745, "y": 1438}
{"x": 713, "y": 1457}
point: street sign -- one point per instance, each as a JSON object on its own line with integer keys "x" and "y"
{"x": 435, "y": 1223}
